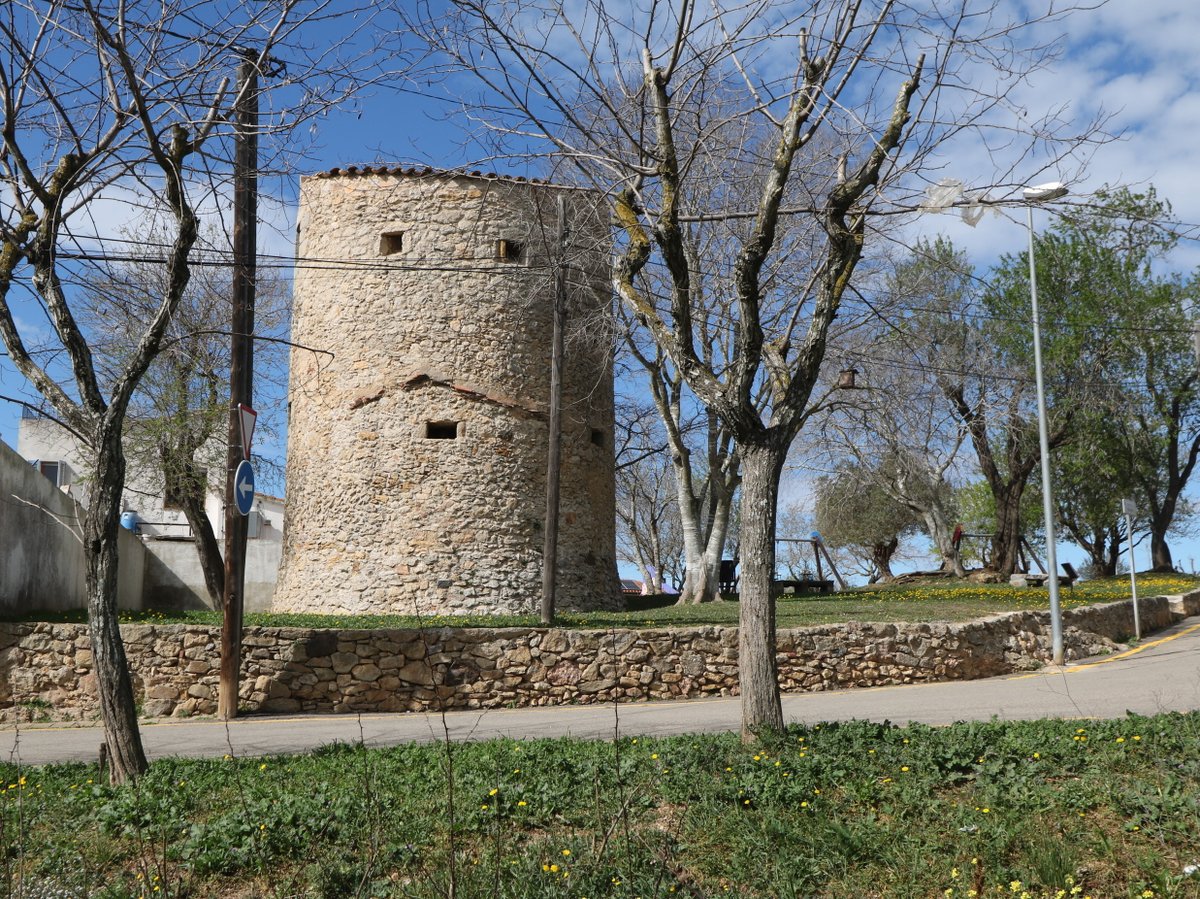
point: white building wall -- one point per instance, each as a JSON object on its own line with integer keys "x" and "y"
{"x": 172, "y": 578}
{"x": 42, "y": 564}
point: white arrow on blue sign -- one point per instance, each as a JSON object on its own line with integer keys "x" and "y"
{"x": 243, "y": 487}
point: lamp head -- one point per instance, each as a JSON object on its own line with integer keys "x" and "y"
{"x": 1042, "y": 193}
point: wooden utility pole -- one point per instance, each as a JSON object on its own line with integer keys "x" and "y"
{"x": 550, "y": 547}
{"x": 241, "y": 369}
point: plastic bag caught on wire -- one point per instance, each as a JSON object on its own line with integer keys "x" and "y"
{"x": 942, "y": 195}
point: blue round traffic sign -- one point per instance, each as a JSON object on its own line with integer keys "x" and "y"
{"x": 243, "y": 487}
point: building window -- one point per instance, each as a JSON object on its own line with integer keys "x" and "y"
{"x": 391, "y": 243}
{"x": 52, "y": 471}
{"x": 509, "y": 250}
{"x": 441, "y": 430}
{"x": 598, "y": 437}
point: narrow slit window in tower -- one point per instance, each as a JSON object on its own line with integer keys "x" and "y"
{"x": 441, "y": 430}
{"x": 598, "y": 437}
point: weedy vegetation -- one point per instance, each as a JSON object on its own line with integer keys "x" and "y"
{"x": 1016, "y": 809}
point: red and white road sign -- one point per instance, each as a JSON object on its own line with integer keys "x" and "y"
{"x": 246, "y": 416}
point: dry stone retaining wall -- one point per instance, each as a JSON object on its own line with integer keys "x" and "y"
{"x": 47, "y": 667}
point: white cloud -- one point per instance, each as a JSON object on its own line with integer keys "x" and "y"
{"x": 1136, "y": 61}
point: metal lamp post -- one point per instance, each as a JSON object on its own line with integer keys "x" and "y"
{"x": 1033, "y": 195}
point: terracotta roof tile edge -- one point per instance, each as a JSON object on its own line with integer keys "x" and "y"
{"x": 428, "y": 172}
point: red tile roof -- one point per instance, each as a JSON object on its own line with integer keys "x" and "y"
{"x": 424, "y": 172}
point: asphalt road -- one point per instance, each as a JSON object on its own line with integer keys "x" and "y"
{"x": 1162, "y": 674}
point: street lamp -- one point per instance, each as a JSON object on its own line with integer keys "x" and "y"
{"x": 1043, "y": 193}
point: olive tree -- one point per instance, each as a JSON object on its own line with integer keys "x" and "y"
{"x": 854, "y": 512}
{"x": 1140, "y": 437}
{"x": 896, "y": 428}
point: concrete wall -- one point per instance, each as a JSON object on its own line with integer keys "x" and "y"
{"x": 388, "y": 515}
{"x": 174, "y": 580}
{"x": 175, "y": 667}
{"x": 41, "y": 558}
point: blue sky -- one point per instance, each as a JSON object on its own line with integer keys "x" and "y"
{"x": 1135, "y": 59}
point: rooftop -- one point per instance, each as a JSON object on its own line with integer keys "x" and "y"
{"x": 427, "y": 172}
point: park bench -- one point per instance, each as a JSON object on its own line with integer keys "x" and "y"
{"x": 803, "y": 585}
{"x": 1039, "y": 578}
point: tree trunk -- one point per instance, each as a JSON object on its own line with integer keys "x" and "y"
{"x": 1006, "y": 542}
{"x": 118, "y": 711}
{"x": 1105, "y": 551}
{"x": 703, "y": 573}
{"x": 1114, "y": 552}
{"x": 881, "y": 558}
{"x": 1097, "y": 550}
{"x": 1160, "y": 553}
{"x": 207, "y": 547}
{"x": 651, "y": 579}
{"x": 942, "y": 534}
{"x": 758, "y": 672}
{"x": 703, "y": 547}
{"x": 700, "y": 582}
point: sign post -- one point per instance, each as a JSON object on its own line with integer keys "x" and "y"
{"x": 1129, "y": 509}
{"x": 241, "y": 373}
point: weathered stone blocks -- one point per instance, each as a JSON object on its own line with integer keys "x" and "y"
{"x": 489, "y": 668}
{"x": 417, "y": 449}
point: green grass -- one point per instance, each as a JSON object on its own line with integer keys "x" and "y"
{"x": 937, "y": 601}
{"x": 1015, "y": 809}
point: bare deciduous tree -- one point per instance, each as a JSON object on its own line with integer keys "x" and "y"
{"x": 175, "y": 434}
{"x": 859, "y": 100}
{"x": 898, "y": 428}
{"x": 123, "y": 109}
{"x": 705, "y": 467}
{"x": 648, "y": 532}
{"x": 703, "y": 454}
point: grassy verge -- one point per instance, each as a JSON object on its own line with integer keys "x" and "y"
{"x": 1021, "y": 809}
{"x": 938, "y": 601}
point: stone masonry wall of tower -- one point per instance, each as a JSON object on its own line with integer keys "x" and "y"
{"x": 416, "y": 470}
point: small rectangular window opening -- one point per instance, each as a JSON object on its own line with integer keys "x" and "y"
{"x": 598, "y": 437}
{"x": 441, "y": 430}
{"x": 391, "y": 242}
{"x": 509, "y": 250}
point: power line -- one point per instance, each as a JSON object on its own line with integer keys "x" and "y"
{"x": 314, "y": 263}
{"x": 968, "y": 373}
{"x": 458, "y": 266}
{"x": 455, "y": 265}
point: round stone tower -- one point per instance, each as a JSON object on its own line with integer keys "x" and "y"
{"x": 417, "y": 435}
